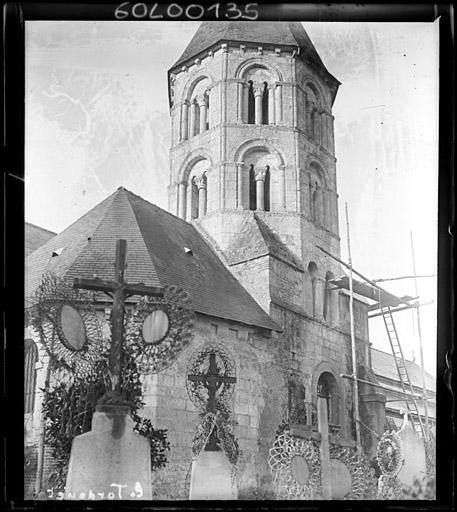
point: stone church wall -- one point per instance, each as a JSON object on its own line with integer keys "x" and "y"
{"x": 258, "y": 405}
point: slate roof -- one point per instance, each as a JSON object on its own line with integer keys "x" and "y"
{"x": 383, "y": 365}
{"x": 266, "y": 33}
{"x": 156, "y": 242}
{"x": 34, "y": 237}
{"x": 255, "y": 239}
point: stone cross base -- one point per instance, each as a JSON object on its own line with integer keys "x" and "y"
{"x": 211, "y": 478}
{"x": 111, "y": 461}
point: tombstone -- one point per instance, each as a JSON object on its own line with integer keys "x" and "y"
{"x": 111, "y": 461}
{"x": 211, "y": 476}
{"x": 413, "y": 448}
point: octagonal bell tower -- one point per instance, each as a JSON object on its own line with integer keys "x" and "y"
{"x": 252, "y": 152}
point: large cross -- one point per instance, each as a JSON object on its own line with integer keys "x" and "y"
{"x": 212, "y": 380}
{"x": 120, "y": 290}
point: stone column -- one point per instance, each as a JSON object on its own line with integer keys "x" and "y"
{"x": 203, "y": 112}
{"x": 271, "y": 104}
{"x": 258, "y": 92}
{"x": 278, "y": 103}
{"x": 240, "y": 99}
{"x": 193, "y": 119}
{"x": 319, "y": 292}
{"x": 185, "y": 120}
{"x": 201, "y": 185}
{"x": 239, "y": 184}
{"x": 182, "y": 189}
{"x": 282, "y": 186}
{"x": 260, "y": 188}
{"x": 245, "y": 103}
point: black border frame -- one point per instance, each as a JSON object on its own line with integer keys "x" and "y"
{"x": 14, "y": 16}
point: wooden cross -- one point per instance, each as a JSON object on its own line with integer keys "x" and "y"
{"x": 120, "y": 290}
{"x": 212, "y": 380}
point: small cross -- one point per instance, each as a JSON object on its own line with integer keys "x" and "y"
{"x": 120, "y": 290}
{"x": 212, "y": 380}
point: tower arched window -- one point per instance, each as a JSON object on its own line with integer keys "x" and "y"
{"x": 195, "y": 110}
{"x": 30, "y": 360}
{"x": 318, "y": 197}
{"x": 327, "y": 388}
{"x": 258, "y": 96}
{"x": 196, "y": 191}
{"x": 314, "y": 106}
{"x": 252, "y": 189}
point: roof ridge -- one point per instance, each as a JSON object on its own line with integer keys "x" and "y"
{"x": 155, "y": 206}
{"x": 124, "y": 195}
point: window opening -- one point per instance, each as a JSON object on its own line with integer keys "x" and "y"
{"x": 252, "y": 189}
{"x": 265, "y": 103}
{"x": 251, "y": 103}
{"x": 267, "y": 190}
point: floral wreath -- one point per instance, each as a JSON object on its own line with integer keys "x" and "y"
{"x": 221, "y": 419}
{"x": 363, "y": 480}
{"x": 196, "y": 390}
{"x": 154, "y": 357}
{"x": 389, "y": 453}
{"x": 50, "y": 298}
{"x": 284, "y": 449}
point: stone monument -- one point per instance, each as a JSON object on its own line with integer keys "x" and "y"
{"x": 211, "y": 476}
{"x": 111, "y": 461}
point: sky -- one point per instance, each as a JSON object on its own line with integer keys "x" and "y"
{"x": 97, "y": 118}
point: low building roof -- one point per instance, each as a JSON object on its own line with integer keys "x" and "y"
{"x": 35, "y": 237}
{"x": 383, "y": 365}
{"x": 162, "y": 250}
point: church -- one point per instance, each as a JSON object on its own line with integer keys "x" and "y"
{"x": 252, "y": 201}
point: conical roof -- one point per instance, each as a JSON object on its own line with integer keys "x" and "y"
{"x": 266, "y": 33}
{"x": 158, "y": 254}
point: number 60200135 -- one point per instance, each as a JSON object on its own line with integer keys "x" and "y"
{"x": 229, "y": 11}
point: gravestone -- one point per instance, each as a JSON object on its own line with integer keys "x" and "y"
{"x": 211, "y": 476}
{"x": 111, "y": 461}
{"x": 414, "y": 455}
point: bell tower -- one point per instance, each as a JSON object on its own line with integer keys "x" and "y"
{"x": 252, "y": 155}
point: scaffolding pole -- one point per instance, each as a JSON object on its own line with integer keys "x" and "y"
{"x": 353, "y": 347}
{"x": 419, "y": 334}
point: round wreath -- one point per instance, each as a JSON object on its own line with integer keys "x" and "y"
{"x": 389, "y": 454}
{"x": 284, "y": 449}
{"x": 154, "y": 357}
{"x": 50, "y": 297}
{"x": 198, "y": 366}
{"x": 363, "y": 478}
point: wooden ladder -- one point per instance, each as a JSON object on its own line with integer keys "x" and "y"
{"x": 401, "y": 366}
